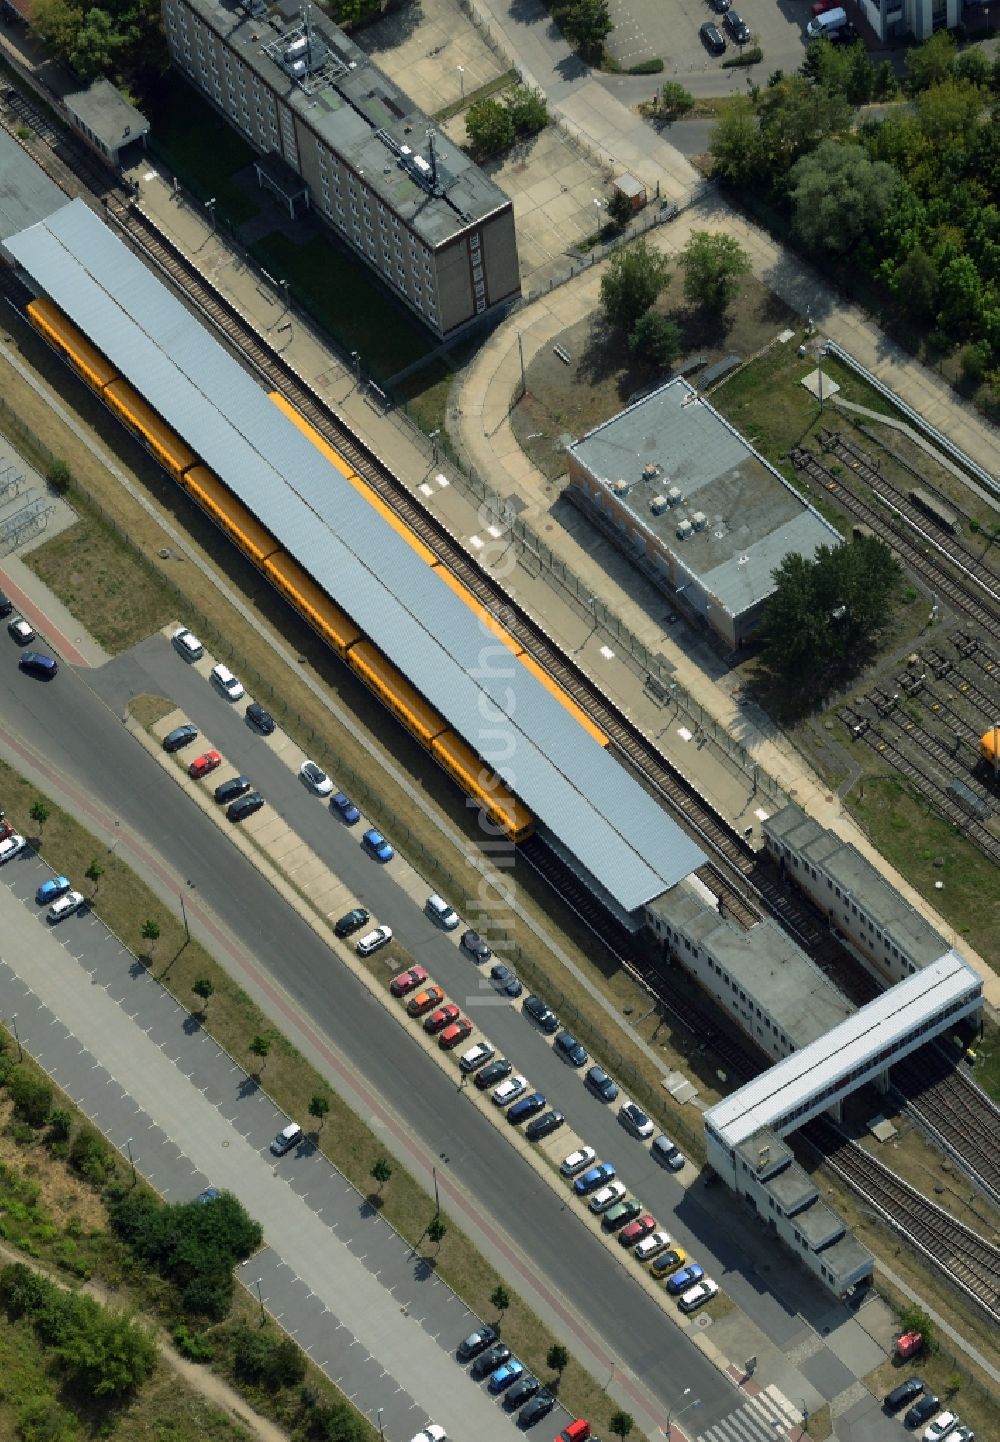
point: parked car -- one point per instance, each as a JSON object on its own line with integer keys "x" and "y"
{"x": 900, "y": 1395}
{"x": 490, "y": 1360}
{"x": 668, "y": 1262}
{"x": 608, "y": 1196}
{"x": 598, "y": 1082}
{"x": 345, "y": 808}
{"x": 522, "y": 1391}
{"x": 943, "y": 1426}
{"x": 187, "y": 643}
{"x": 260, "y": 719}
{"x": 227, "y": 791}
{"x": 10, "y": 846}
{"x": 652, "y": 1246}
{"x": 431, "y": 1433}
{"x": 963, "y": 1433}
{"x": 442, "y": 1017}
{"x": 598, "y": 1176}
{"x": 245, "y": 806}
{"x": 19, "y": 631}
{"x": 570, "y": 1049}
{"x": 223, "y": 680}
{"x": 667, "y": 1153}
{"x": 544, "y": 1126}
{"x": 737, "y": 27}
{"x": 376, "y": 845}
{"x": 922, "y": 1410}
{"x": 455, "y": 1034}
{"x": 443, "y": 914}
{"x": 351, "y": 921}
{"x": 576, "y": 1161}
{"x": 533, "y": 1411}
{"x": 505, "y": 1376}
{"x": 720, "y": 6}
{"x": 6, "y": 605}
{"x": 477, "y": 1056}
{"x": 287, "y": 1138}
{"x": 476, "y": 1342}
{"x": 493, "y": 1074}
{"x": 526, "y": 1108}
{"x": 712, "y": 38}
{"x": 65, "y": 905}
{"x": 39, "y": 664}
{"x": 180, "y": 737}
{"x": 632, "y": 1234}
{"x": 408, "y": 981}
{"x": 49, "y": 890}
{"x": 684, "y": 1279}
{"x": 474, "y": 944}
{"x": 315, "y": 778}
{"x": 504, "y": 980}
{"x": 203, "y": 765}
{"x": 698, "y": 1295}
{"x": 508, "y": 1091}
{"x": 542, "y": 1015}
{"x": 621, "y": 1213}
{"x": 425, "y": 1000}
{"x": 635, "y": 1121}
{"x": 373, "y": 941}
{"x": 577, "y": 1431}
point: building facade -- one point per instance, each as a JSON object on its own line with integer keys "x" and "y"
{"x": 409, "y": 203}
{"x": 893, "y": 19}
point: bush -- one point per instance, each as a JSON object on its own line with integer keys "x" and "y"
{"x": 22, "y": 1290}
{"x": 975, "y": 359}
{"x": 60, "y": 1126}
{"x": 489, "y": 126}
{"x": 753, "y": 56}
{"x": 646, "y": 67}
{"x": 23, "y": 1133}
{"x": 527, "y": 110}
{"x": 195, "y": 1346}
{"x": 264, "y": 1357}
{"x": 59, "y": 477}
{"x": 32, "y": 1097}
{"x": 655, "y": 340}
{"x": 90, "y": 1155}
{"x": 334, "y": 1423}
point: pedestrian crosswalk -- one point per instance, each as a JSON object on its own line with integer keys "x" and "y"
{"x": 768, "y": 1417}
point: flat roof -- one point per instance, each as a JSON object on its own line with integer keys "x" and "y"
{"x": 861, "y": 881}
{"x": 363, "y": 116}
{"x": 27, "y": 194}
{"x": 675, "y": 438}
{"x": 847, "y": 1259}
{"x": 591, "y": 803}
{"x": 855, "y": 1043}
{"x": 107, "y": 114}
{"x": 792, "y": 1189}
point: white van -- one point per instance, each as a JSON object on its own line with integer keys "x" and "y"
{"x": 286, "y": 1139}
{"x": 187, "y": 643}
{"x": 372, "y": 941}
{"x": 827, "y": 23}
{"x": 446, "y": 915}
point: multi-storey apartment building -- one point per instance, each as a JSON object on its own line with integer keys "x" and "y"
{"x": 411, "y": 204}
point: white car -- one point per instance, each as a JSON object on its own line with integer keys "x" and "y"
{"x": 187, "y": 643}
{"x": 20, "y": 631}
{"x": 65, "y": 905}
{"x": 652, "y": 1246}
{"x": 635, "y": 1120}
{"x": 11, "y": 847}
{"x": 476, "y": 1057}
{"x": 431, "y": 1433}
{"x": 942, "y": 1426}
{"x": 373, "y": 940}
{"x": 442, "y": 912}
{"x": 316, "y": 778}
{"x": 509, "y": 1090}
{"x": 577, "y": 1161}
{"x": 227, "y": 683}
{"x": 697, "y": 1296}
{"x": 607, "y": 1196}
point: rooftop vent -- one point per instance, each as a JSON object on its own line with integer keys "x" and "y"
{"x": 297, "y": 50}
{"x": 674, "y": 496}
{"x": 650, "y": 471}
{"x": 620, "y": 487}
{"x": 684, "y": 529}
{"x": 658, "y": 505}
{"x": 699, "y": 520}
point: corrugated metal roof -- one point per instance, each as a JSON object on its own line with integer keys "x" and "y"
{"x": 798, "y": 1079}
{"x": 596, "y": 809}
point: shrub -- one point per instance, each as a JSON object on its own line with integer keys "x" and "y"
{"x": 23, "y": 1133}
{"x": 59, "y": 477}
{"x": 193, "y": 1345}
{"x": 22, "y": 1290}
{"x": 32, "y": 1098}
{"x": 60, "y": 1126}
{"x": 90, "y": 1155}
{"x": 527, "y": 110}
{"x": 753, "y": 56}
{"x": 334, "y": 1423}
{"x": 646, "y": 67}
{"x": 263, "y": 1356}
{"x": 489, "y": 126}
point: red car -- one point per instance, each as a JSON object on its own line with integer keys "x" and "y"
{"x": 577, "y": 1431}
{"x": 452, "y": 1035}
{"x": 635, "y": 1231}
{"x": 408, "y": 980}
{"x": 444, "y": 1016}
{"x": 202, "y": 765}
{"x": 424, "y": 1000}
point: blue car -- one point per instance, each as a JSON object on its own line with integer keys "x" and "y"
{"x": 345, "y": 808}
{"x": 597, "y": 1177}
{"x": 528, "y": 1106}
{"x": 505, "y": 1375}
{"x": 49, "y": 890}
{"x": 685, "y": 1278}
{"x": 36, "y": 663}
{"x": 376, "y": 845}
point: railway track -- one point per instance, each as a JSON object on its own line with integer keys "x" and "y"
{"x": 936, "y": 751}
{"x": 969, "y": 1261}
{"x": 981, "y": 604}
{"x": 958, "y": 1113}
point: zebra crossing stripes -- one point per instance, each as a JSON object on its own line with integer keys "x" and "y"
{"x": 768, "y": 1417}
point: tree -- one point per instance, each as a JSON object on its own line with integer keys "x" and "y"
{"x": 203, "y": 989}
{"x": 40, "y": 813}
{"x": 712, "y": 265}
{"x": 98, "y": 46}
{"x": 674, "y": 100}
{"x": 973, "y": 65}
{"x": 93, "y": 873}
{"x": 259, "y": 1047}
{"x": 930, "y": 63}
{"x": 634, "y": 277}
{"x": 586, "y": 25}
{"x": 151, "y": 933}
{"x": 840, "y": 196}
{"x": 60, "y": 1125}
{"x": 914, "y": 1319}
{"x": 795, "y": 116}
{"x": 32, "y": 1097}
{"x": 59, "y": 477}
{"x": 57, "y": 23}
{"x": 620, "y": 209}
{"x": 655, "y": 340}
{"x": 381, "y": 1172}
{"x": 436, "y": 1230}
{"x": 557, "y": 1358}
{"x": 489, "y": 126}
{"x": 107, "y": 1353}
{"x": 949, "y": 111}
{"x": 621, "y": 1424}
{"x": 528, "y": 109}
{"x": 500, "y": 1298}
{"x": 736, "y": 145}
{"x": 915, "y": 284}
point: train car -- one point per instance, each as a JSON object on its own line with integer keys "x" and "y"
{"x": 931, "y": 506}
{"x": 350, "y": 474}
{"x": 311, "y": 601}
{"x": 60, "y": 332}
{"x": 229, "y": 514}
{"x": 503, "y": 808}
{"x": 989, "y": 746}
{"x": 164, "y": 444}
{"x": 580, "y": 716}
{"x": 395, "y": 692}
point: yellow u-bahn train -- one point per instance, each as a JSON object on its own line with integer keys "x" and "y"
{"x": 404, "y": 700}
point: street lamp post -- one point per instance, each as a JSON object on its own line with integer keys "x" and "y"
{"x": 210, "y": 207}
{"x": 461, "y": 76}
{"x": 356, "y": 358}
{"x": 381, "y": 1434}
{"x": 671, "y": 1419}
{"x": 131, "y": 1159}
{"x": 13, "y": 1024}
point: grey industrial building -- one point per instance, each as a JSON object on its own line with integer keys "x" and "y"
{"x": 410, "y": 203}
{"x": 707, "y": 518}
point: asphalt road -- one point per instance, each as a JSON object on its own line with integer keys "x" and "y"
{"x": 83, "y": 738}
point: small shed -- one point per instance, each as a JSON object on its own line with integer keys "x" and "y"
{"x": 633, "y": 190}
{"x": 107, "y": 121}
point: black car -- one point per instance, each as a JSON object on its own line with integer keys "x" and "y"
{"x": 846, "y": 35}
{"x": 906, "y": 1392}
{"x": 504, "y": 980}
{"x": 720, "y": 6}
{"x": 544, "y": 1126}
{"x": 260, "y": 719}
{"x": 524, "y": 1388}
{"x": 474, "y": 944}
{"x": 922, "y": 1411}
{"x": 712, "y": 38}
{"x": 540, "y": 1406}
{"x": 490, "y": 1360}
{"x": 36, "y": 663}
{"x": 598, "y": 1081}
{"x": 245, "y": 806}
{"x": 180, "y": 736}
{"x": 542, "y": 1015}
{"x": 492, "y": 1075}
{"x": 476, "y": 1342}
{"x": 570, "y": 1049}
{"x": 737, "y": 27}
{"x": 229, "y": 790}
{"x": 352, "y": 922}
{"x": 6, "y": 605}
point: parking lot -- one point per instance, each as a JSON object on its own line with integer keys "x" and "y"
{"x": 645, "y": 29}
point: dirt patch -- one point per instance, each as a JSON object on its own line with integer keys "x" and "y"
{"x": 59, "y": 1193}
